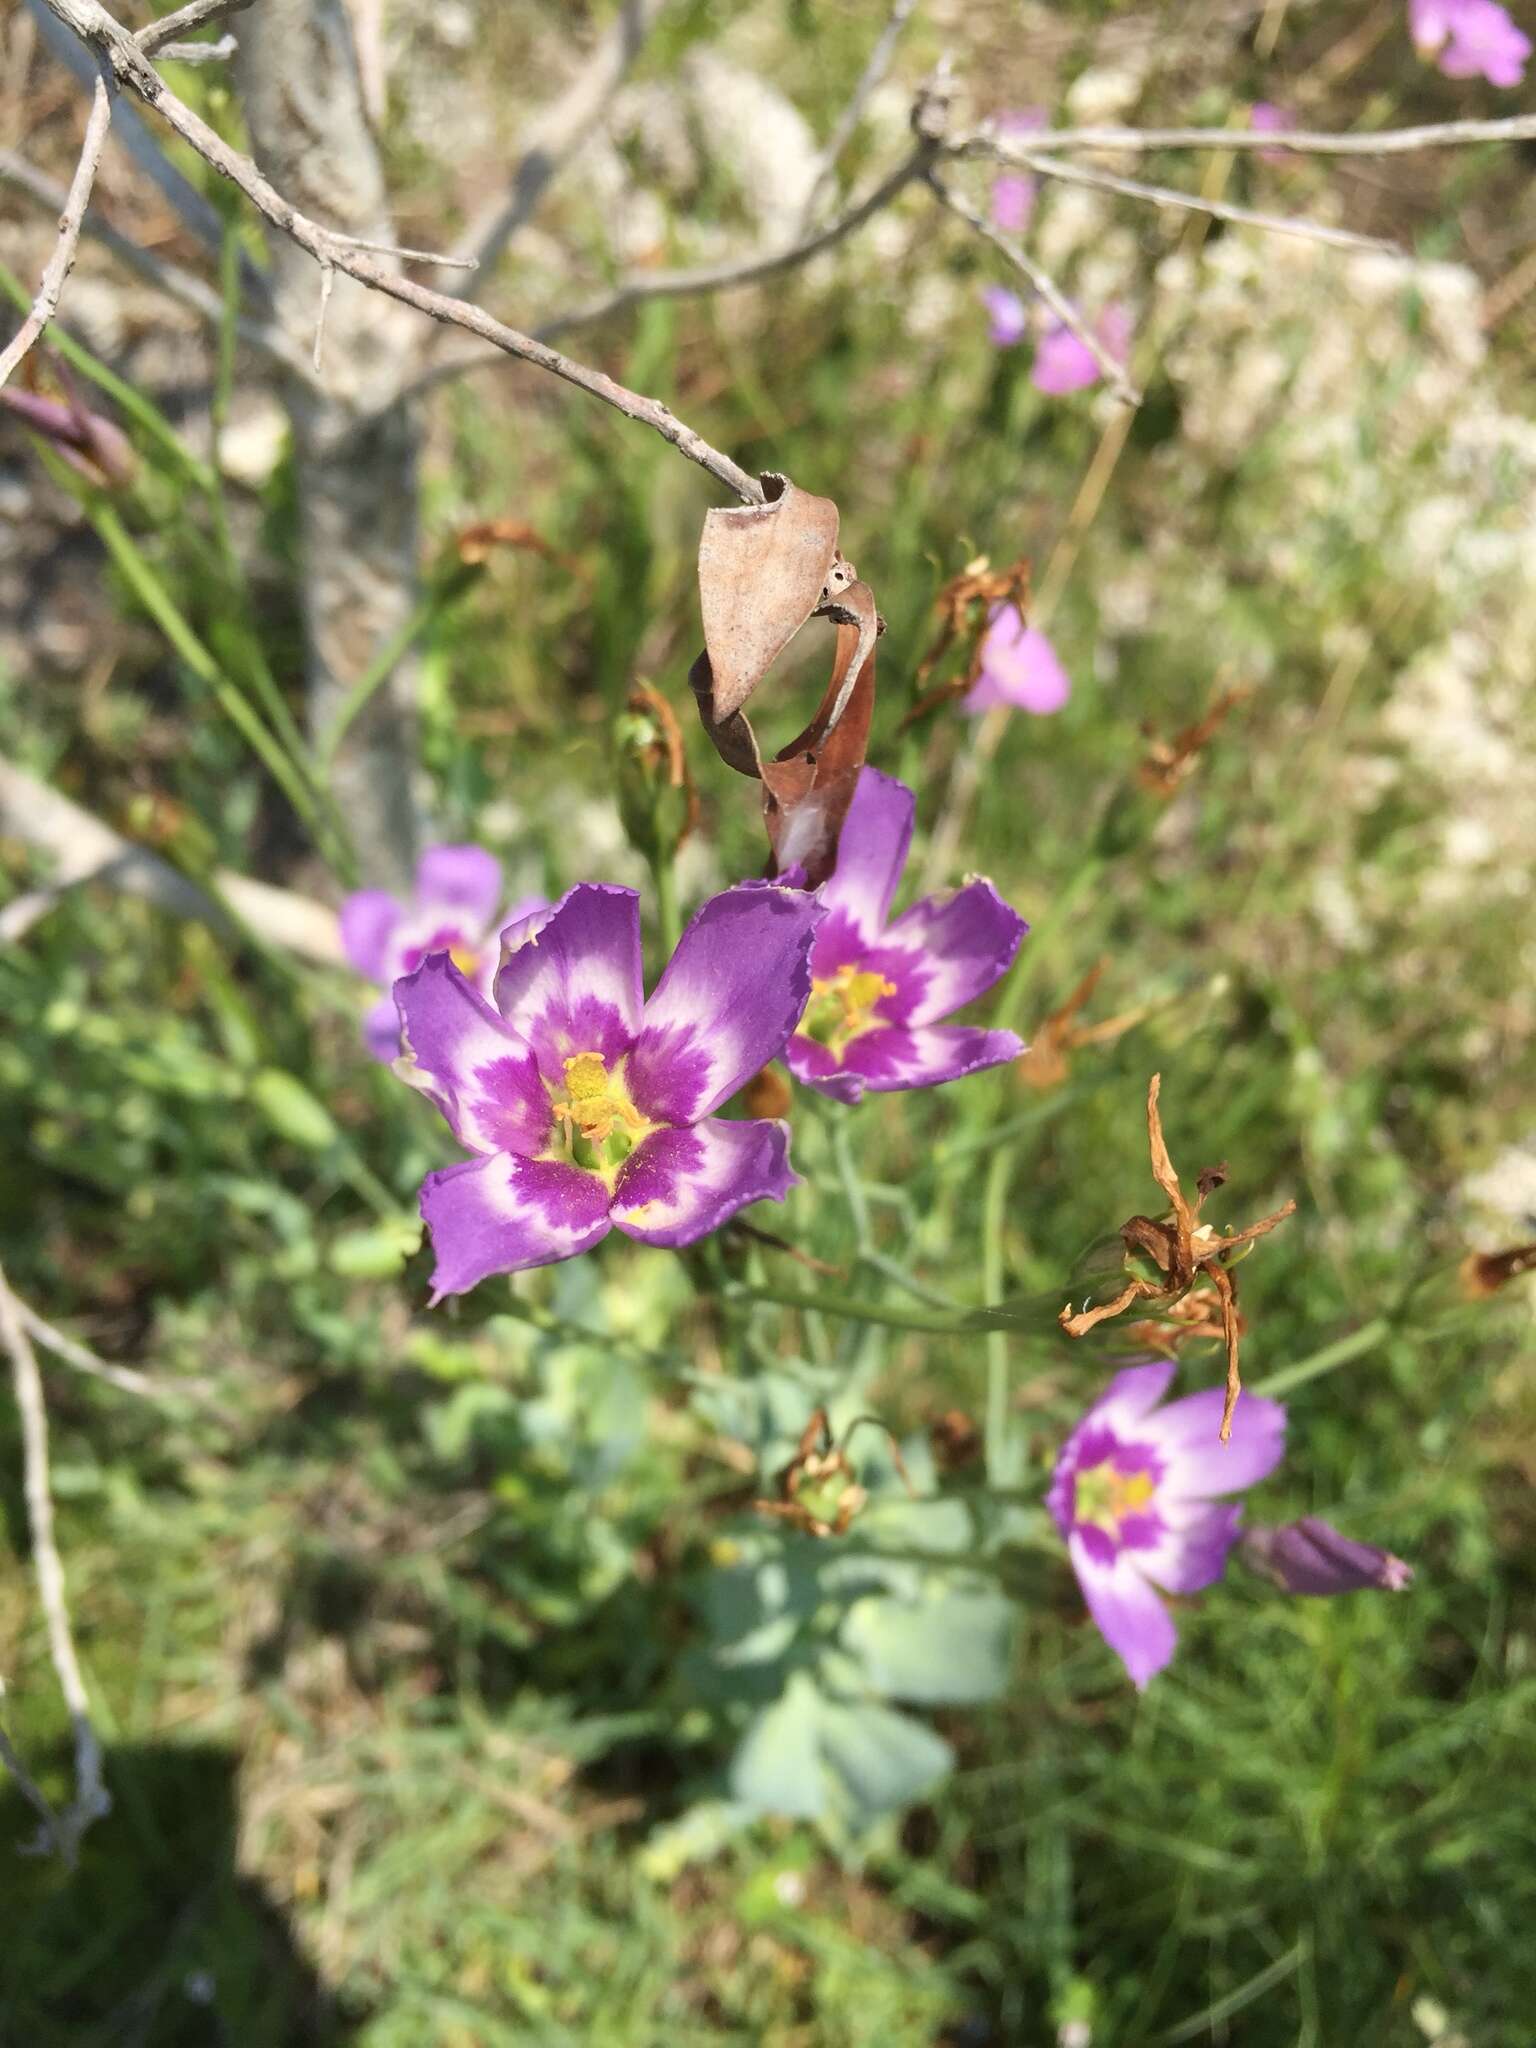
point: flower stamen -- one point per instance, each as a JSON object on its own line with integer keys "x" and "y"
{"x": 842, "y": 1007}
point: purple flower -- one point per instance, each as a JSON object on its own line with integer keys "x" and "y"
{"x": 1470, "y": 39}
{"x": 452, "y": 910}
{"x": 1019, "y": 666}
{"x": 1311, "y": 1557}
{"x": 1007, "y": 314}
{"x": 1063, "y": 363}
{"x": 1013, "y": 201}
{"x": 878, "y": 990}
{"x": 589, "y": 1106}
{"x": 1134, "y": 1495}
{"x": 1265, "y": 118}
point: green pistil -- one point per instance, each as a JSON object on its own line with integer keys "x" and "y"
{"x": 842, "y": 1008}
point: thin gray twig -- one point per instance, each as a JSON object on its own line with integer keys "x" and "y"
{"x": 62, "y": 261}
{"x": 1045, "y": 166}
{"x": 196, "y": 14}
{"x": 1110, "y": 369}
{"x": 198, "y": 53}
{"x": 848, "y": 120}
{"x": 184, "y": 286}
{"x": 1381, "y": 142}
{"x": 91, "y": 1799}
{"x": 75, "y": 1354}
{"x": 91, "y": 21}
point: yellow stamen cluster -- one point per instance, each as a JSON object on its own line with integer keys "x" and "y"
{"x": 1107, "y": 1495}
{"x": 466, "y": 959}
{"x": 598, "y": 1123}
{"x": 841, "y": 1009}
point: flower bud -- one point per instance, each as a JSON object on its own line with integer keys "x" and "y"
{"x": 657, "y": 800}
{"x": 1311, "y": 1557}
{"x": 91, "y": 445}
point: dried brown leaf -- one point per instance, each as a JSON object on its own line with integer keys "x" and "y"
{"x": 762, "y": 572}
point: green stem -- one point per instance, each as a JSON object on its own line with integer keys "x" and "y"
{"x": 378, "y": 671}
{"x": 1002, "y": 1463}
{"x": 669, "y": 917}
{"x": 1340, "y": 1352}
{"x": 161, "y": 607}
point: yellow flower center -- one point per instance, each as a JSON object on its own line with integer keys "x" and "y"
{"x": 597, "y": 1124}
{"x": 466, "y": 959}
{"x": 843, "y": 1008}
{"x": 1107, "y": 1495}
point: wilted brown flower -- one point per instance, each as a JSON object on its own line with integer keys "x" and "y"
{"x": 1184, "y": 1250}
{"x": 965, "y": 606}
{"x": 1046, "y": 1061}
{"x": 819, "y": 1492}
{"x": 1169, "y": 763}
{"x": 1484, "y": 1273}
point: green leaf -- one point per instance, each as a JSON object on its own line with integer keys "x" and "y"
{"x": 375, "y": 1253}
{"x": 292, "y": 1111}
{"x": 883, "y": 1760}
{"x": 952, "y": 1649}
{"x": 777, "y": 1769}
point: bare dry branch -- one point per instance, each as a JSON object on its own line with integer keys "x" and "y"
{"x": 84, "y": 1360}
{"x": 557, "y": 134}
{"x": 197, "y": 14}
{"x": 184, "y": 286}
{"x": 87, "y": 850}
{"x": 1112, "y": 370}
{"x": 199, "y": 53}
{"x": 1381, "y": 142}
{"x": 848, "y": 120}
{"x": 62, "y": 261}
{"x": 90, "y": 20}
{"x": 1047, "y": 166}
{"x": 91, "y": 1799}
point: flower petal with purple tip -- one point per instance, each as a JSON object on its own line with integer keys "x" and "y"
{"x": 1007, "y": 316}
{"x": 467, "y": 878}
{"x": 967, "y": 941}
{"x": 570, "y": 978}
{"x": 876, "y": 838}
{"x": 504, "y": 1214}
{"x": 678, "y": 1185}
{"x": 898, "y": 1058}
{"x": 458, "y": 1052}
{"x": 727, "y": 1001}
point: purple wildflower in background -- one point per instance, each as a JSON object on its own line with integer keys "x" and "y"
{"x": 878, "y": 989}
{"x": 452, "y": 910}
{"x": 1064, "y": 363}
{"x": 1013, "y": 192}
{"x": 1134, "y": 1496}
{"x": 1470, "y": 39}
{"x": 1311, "y": 1557}
{"x": 1019, "y": 667}
{"x": 1007, "y": 316}
{"x": 588, "y": 1106}
{"x": 1265, "y": 118}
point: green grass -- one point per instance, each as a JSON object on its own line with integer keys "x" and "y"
{"x": 399, "y": 1647}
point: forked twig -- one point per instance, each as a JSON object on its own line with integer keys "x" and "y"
{"x": 848, "y": 120}
{"x": 62, "y": 261}
{"x": 91, "y": 1799}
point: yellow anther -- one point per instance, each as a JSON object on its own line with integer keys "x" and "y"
{"x": 466, "y": 959}
{"x": 586, "y": 1076}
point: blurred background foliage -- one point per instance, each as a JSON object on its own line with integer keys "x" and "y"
{"x": 446, "y": 1674}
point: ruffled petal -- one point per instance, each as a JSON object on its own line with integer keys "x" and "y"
{"x": 894, "y": 1058}
{"x": 503, "y": 1214}
{"x": 967, "y": 942}
{"x": 570, "y": 978}
{"x": 463, "y": 878}
{"x": 872, "y": 851}
{"x": 368, "y": 921}
{"x": 1198, "y": 1464}
{"x": 732, "y": 993}
{"x": 677, "y": 1186}
{"x": 458, "y": 1052}
{"x": 1128, "y": 1613}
